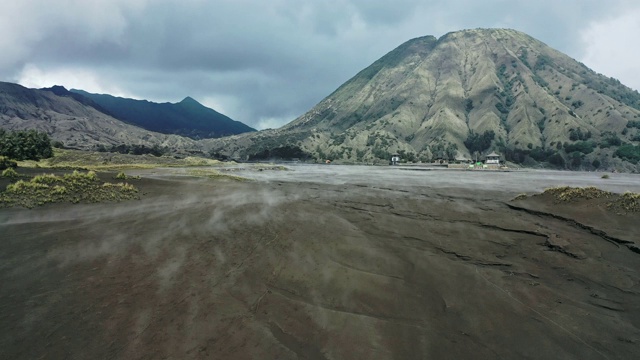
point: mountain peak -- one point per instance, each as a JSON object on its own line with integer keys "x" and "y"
{"x": 472, "y": 92}
{"x": 58, "y": 90}
{"x": 187, "y": 117}
{"x": 189, "y": 100}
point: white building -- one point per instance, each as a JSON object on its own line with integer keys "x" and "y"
{"x": 492, "y": 158}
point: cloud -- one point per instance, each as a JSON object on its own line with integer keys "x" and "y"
{"x": 33, "y": 77}
{"x": 261, "y": 62}
{"x": 609, "y": 47}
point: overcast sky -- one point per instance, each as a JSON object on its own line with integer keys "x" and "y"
{"x": 265, "y": 62}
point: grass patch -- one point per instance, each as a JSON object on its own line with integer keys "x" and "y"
{"x": 566, "y": 193}
{"x": 627, "y": 202}
{"x": 6, "y": 163}
{"x": 214, "y": 174}
{"x": 88, "y": 160}
{"x": 122, "y": 176}
{"x": 261, "y": 167}
{"x": 520, "y": 197}
{"x": 9, "y": 173}
{"x": 75, "y": 187}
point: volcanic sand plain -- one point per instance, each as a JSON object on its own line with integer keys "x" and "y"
{"x": 326, "y": 262}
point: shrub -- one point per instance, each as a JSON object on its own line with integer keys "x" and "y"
{"x": 59, "y": 190}
{"x": 480, "y": 143}
{"x": 577, "y": 134}
{"x": 628, "y": 201}
{"x": 25, "y": 145}
{"x": 566, "y": 193}
{"x": 22, "y": 186}
{"x": 584, "y": 147}
{"x": 633, "y": 124}
{"x": 628, "y": 152}
{"x": 121, "y": 176}
{"x": 9, "y": 173}
{"x": 78, "y": 176}
{"x": 557, "y": 160}
{"x": 46, "y": 179}
{"x": 6, "y": 163}
{"x": 611, "y": 140}
{"x": 605, "y": 176}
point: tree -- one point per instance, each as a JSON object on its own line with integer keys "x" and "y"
{"x": 480, "y": 143}
{"x": 451, "y": 151}
{"x": 25, "y": 145}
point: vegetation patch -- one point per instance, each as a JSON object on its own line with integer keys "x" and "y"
{"x": 520, "y": 197}
{"x": 6, "y": 163}
{"x": 476, "y": 142}
{"x": 285, "y": 152}
{"x": 628, "y": 202}
{"x": 629, "y": 152}
{"x": 215, "y": 174}
{"x": 567, "y": 193}
{"x": 122, "y": 176}
{"x": 9, "y": 173}
{"x": 86, "y": 160}
{"x": 74, "y": 187}
{"x": 25, "y": 145}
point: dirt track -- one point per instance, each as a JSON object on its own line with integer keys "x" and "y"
{"x": 303, "y": 269}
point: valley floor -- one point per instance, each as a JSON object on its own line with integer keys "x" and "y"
{"x": 325, "y": 263}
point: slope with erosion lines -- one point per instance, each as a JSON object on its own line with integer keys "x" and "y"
{"x": 76, "y": 124}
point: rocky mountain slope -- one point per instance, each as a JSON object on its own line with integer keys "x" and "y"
{"x": 77, "y": 122}
{"x": 186, "y": 118}
{"x": 464, "y": 95}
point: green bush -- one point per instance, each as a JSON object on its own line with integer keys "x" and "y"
{"x": 9, "y": 173}
{"x": 539, "y": 154}
{"x": 557, "y": 160}
{"x": 611, "y": 140}
{"x": 25, "y": 145}
{"x": 75, "y": 187}
{"x": 480, "y": 143}
{"x": 628, "y": 152}
{"x": 46, "y": 179}
{"x": 585, "y": 147}
{"x": 6, "y": 163}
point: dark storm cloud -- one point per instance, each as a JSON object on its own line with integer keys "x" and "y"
{"x": 260, "y": 62}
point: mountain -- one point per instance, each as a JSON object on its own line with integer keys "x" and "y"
{"x": 76, "y": 121}
{"x": 468, "y": 93}
{"x": 186, "y": 118}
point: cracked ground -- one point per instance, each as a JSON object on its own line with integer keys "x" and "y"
{"x": 307, "y": 270}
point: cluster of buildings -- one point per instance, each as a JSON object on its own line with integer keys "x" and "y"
{"x": 491, "y": 160}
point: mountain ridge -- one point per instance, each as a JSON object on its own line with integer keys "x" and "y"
{"x": 66, "y": 118}
{"x": 186, "y": 118}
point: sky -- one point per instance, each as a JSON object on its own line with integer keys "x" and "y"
{"x": 266, "y": 62}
